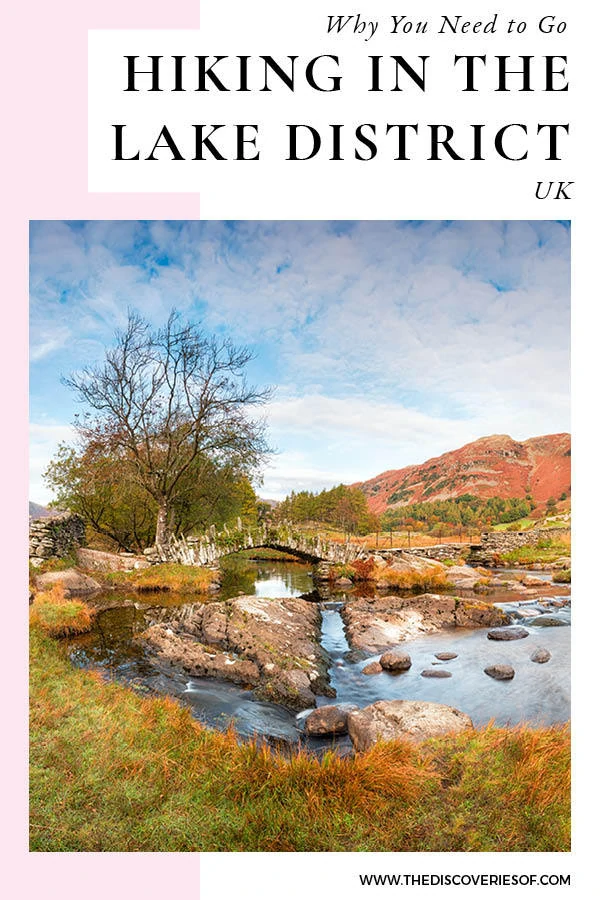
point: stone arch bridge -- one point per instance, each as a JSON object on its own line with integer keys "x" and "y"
{"x": 208, "y": 549}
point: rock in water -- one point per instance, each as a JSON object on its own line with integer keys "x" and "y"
{"x": 446, "y": 655}
{"x": 549, "y": 621}
{"x": 395, "y": 662}
{"x": 372, "y": 668}
{"x": 515, "y": 633}
{"x": 541, "y": 655}
{"x": 436, "y": 673}
{"x": 500, "y": 673}
{"x": 412, "y": 720}
{"x": 327, "y": 720}
{"x": 375, "y": 623}
{"x": 271, "y": 644}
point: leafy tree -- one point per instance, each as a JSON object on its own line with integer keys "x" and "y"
{"x": 342, "y": 506}
{"x": 171, "y": 409}
{"x": 107, "y": 496}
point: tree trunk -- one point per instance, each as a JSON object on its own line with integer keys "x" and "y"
{"x": 162, "y": 526}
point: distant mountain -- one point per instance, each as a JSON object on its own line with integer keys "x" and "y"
{"x": 495, "y": 466}
{"x": 39, "y": 512}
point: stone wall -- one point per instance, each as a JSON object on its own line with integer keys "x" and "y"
{"x": 55, "y": 536}
{"x": 493, "y": 543}
{"x": 503, "y": 541}
{"x": 436, "y": 551}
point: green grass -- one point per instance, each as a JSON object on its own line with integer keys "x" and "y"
{"x": 520, "y": 525}
{"x": 546, "y": 551}
{"x": 563, "y": 577}
{"x": 165, "y": 577}
{"x": 267, "y": 553}
{"x": 114, "y": 771}
{"x": 58, "y": 617}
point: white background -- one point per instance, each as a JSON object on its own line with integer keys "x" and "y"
{"x": 273, "y": 187}
{"x": 383, "y": 188}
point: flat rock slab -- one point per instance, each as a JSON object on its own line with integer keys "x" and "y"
{"x": 101, "y": 561}
{"x": 409, "y": 720}
{"x": 507, "y": 634}
{"x": 374, "y": 624}
{"x": 446, "y": 655}
{"x": 548, "y": 621}
{"x": 75, "y": 583}
{"x": 268, "y": 643}
{"x": 500, "y": 673}
{"x": 436, "y": 673}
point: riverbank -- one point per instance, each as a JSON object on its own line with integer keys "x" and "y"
{"x": 113, "y": 771}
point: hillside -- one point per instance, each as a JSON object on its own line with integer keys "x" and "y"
{"x": 36, "y": 511}
{"x": 494, "y": 466}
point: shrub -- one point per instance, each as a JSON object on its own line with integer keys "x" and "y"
{"x": 563, "y": 577}
{"x": 363, "y": 569}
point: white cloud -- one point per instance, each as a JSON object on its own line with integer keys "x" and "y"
{"x": 44, "y": 438}
{"x": 389, "y": 342}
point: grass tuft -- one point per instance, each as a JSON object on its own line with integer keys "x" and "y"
{"x": 562, "y": 577}
{"x": 59, "y": 617}
{"x": 166, "y": 577}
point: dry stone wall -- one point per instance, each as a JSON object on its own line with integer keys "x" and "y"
{"x": 55, "y": 536}
{"x": 503, "y": 541}
{"x": 437, "y": 551}
{"x": 494, "y": 543}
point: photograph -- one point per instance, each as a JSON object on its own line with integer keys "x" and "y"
{"x": 299, "y": 536}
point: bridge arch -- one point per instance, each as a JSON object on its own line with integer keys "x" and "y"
{"x": 208, "y": 549}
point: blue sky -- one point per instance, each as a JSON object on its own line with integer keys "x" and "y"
{"x": 388, "y": 342}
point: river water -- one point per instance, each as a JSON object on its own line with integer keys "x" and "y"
{"x": 539, "y": 693}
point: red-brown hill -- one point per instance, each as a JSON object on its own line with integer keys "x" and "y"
{"x": 494, "y": 466}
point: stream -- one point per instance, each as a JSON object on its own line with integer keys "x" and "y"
{"x": 539, "y": 694}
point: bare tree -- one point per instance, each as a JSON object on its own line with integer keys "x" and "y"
{"x": 164, "y": 400}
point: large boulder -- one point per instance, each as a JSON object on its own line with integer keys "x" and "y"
{"x": 500, "y": 672}
{"x": 392, "y": 661}
{"x": 463, "y": 577}
{"x": 409, "y": 720}
{"x": 75, "y": 584}
{"x": 327, "y": 720}
{"x": 102, "y": 561}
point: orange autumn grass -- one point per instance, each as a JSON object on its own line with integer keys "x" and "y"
{"x": 114, "y": 771}
{"x": 58, "y": 616}
{"x": 364, "y": 570}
